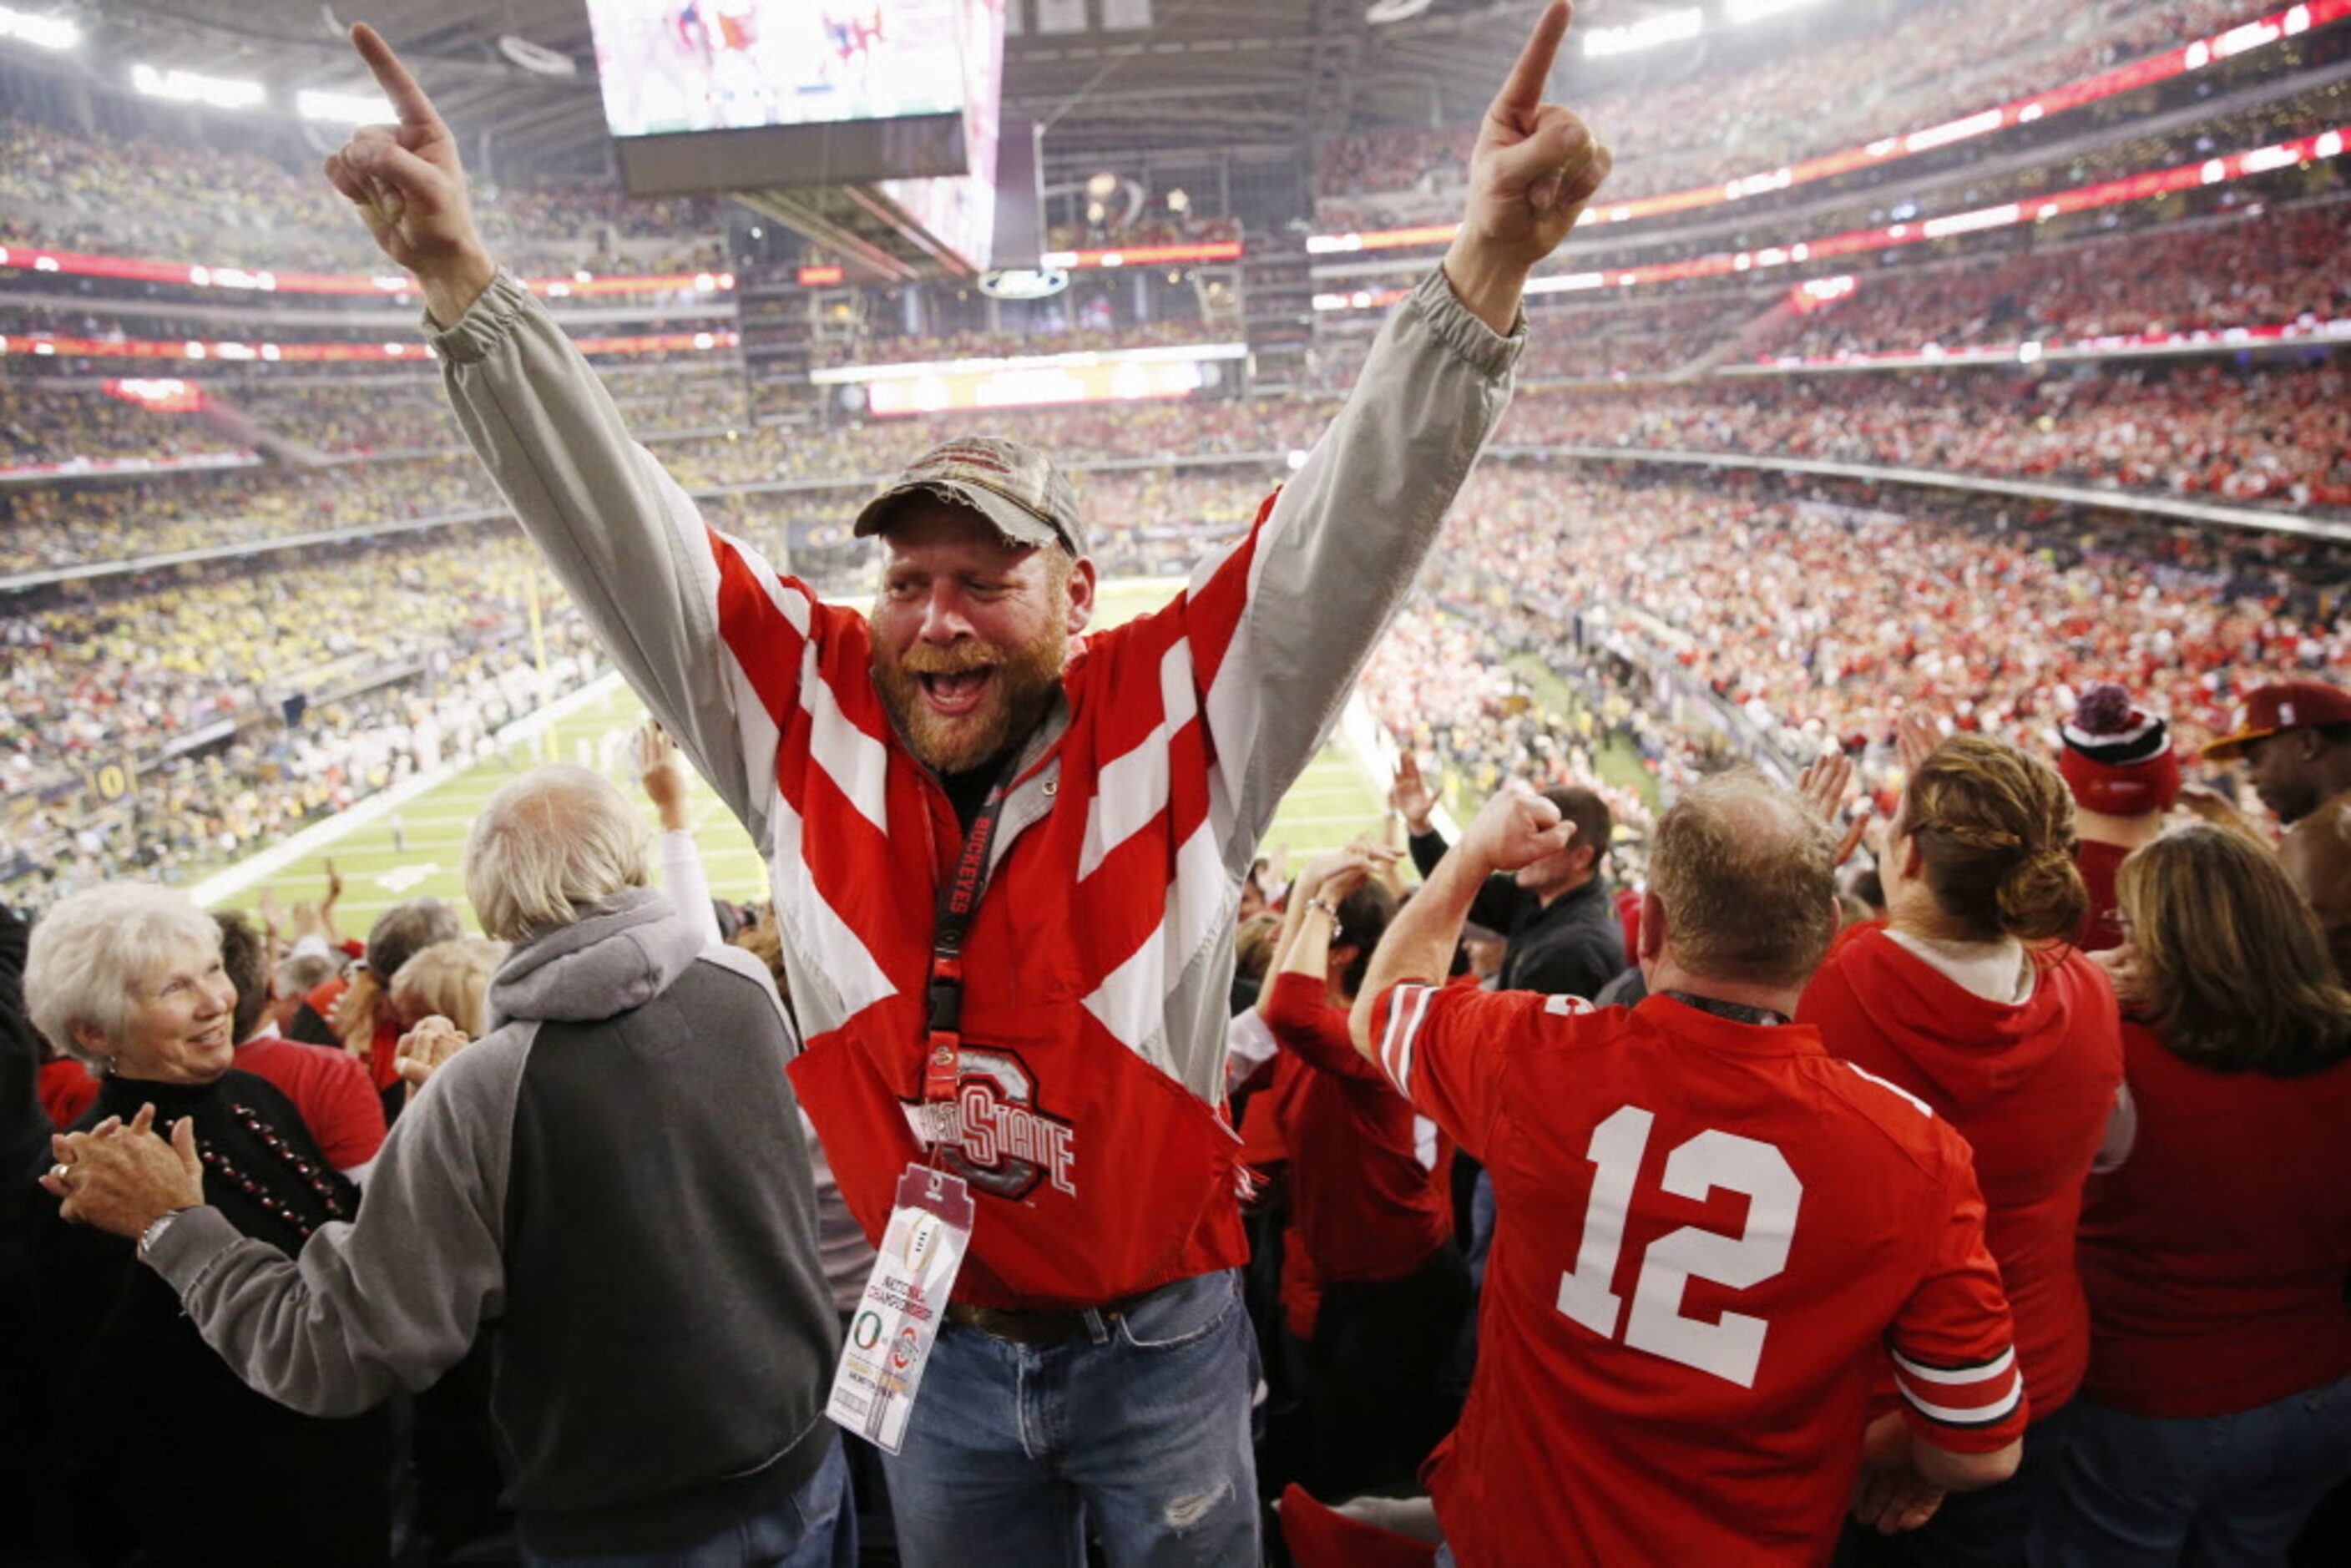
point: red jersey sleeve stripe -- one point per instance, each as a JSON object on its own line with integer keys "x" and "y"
{"x": 1952, "y": 1376}
{"x": 1407, "y": 1007}
{"x": 1991, "y": 1415}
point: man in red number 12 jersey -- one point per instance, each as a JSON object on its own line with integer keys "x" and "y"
{"x": 1712, "y": 1233}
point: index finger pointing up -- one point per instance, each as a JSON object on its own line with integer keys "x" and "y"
{"x": 408, "y": 99}
{"x": 1523, "y": 92}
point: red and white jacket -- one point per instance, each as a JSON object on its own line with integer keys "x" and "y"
{"x": 1099, "y": 962}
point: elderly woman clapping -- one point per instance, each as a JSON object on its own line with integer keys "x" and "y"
{"x": 162, "y": 1453}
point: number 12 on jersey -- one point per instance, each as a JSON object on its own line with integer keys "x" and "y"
{"x": 1732, "y": 1347}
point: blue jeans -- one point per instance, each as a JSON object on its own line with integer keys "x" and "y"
{"x": 2212, "y": 1490}
{"x": 815, "y": 1527}
{"x": 1139, "y": 1427}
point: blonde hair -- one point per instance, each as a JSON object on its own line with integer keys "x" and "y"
{"x": 1995, "y": 834}
{"x": 2232, "y": 968}
{"x": 398, "y": 932}
{"x": 451, "y": 980}
{"x": 549, "y": 845}
{"x": 1253, "y": 945}
{"x": 764, "y": 939}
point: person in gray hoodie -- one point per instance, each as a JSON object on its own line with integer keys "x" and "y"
{"x": 614, "y": 1177}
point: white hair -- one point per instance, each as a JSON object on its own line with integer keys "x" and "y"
{"x": 554, "y": 841}
{"x": 92, "y": 952}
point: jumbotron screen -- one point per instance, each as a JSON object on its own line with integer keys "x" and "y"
{"x": 739, "y": 65}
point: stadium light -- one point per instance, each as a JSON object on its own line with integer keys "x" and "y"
{"x": 1665, "y": 27}
{"x": 41, "y": 32}
{"x": 187, "y": 87}
{"x": 344, "y": 107}
{"x": 1761, "y": 10}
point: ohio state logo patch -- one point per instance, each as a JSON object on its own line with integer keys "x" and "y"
{"x": 1001, "y": 1141}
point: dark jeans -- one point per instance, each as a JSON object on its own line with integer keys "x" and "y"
{"x": 1372, "y": 1379}
{"x": 815, "y": 1527}
{"x": 1984, "y": 1528}
{"x": 2209, "y": 1490}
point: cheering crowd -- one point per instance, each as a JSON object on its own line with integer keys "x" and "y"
{"x": 2253, "y": 436}
{"x": 1898, "y": 1120}
{"x": 1762, "y": 115}
{"x": 150, "y": 196}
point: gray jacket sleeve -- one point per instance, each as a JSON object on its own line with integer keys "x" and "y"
{"x": 393, "y": 1299}
{"x": 625, "y": 539}
{"x": 1346, "y": 539}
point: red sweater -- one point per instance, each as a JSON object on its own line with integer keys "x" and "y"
{"x": 2215, "y": 1257}
{"x": 382, "y": 1062}
{"x": 68, "y": 1089}
{"x": 2102, "y": 925}
{"x": 1362, "y": 1201}
{"x": 1262, "y": 1147}
{"x": 330, "y": 1087}
{"x": 2029, "y": 1086}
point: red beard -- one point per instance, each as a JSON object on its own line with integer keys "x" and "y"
{"x": 1018, "y": 686}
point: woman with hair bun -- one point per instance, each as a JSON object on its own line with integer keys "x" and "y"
{"x": 1972, "y": 999}
{"x": 2217, "y": 1412}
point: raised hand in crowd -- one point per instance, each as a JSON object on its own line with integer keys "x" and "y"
{"x": 1410, "y": 796}
{"x": 410, "y": 188}
{"x": 425, "y": 1049}
{"x": 1824, "y": 784}
{"x": 1515, "y": 827}
{"x": 1916, "y": 734}
{"x": 1534, "y": 167}
{"x": 272, "y": 911}
{"x": 662, "y": 771}
{"x": 1335, "y": 875}
{"x": 2211, "y": 804}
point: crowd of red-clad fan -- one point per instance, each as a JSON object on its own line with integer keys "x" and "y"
{"x": 2096, "y": 1028}
{"x": 2125, "y": 999}
{"x": 1758, "y": 115}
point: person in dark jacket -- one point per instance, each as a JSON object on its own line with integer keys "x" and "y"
{"x": 615, "y": 1177}
{"x": 1557, "y": 914}
{"x": 24, "y": 1144}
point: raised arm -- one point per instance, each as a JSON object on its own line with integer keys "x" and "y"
{"x": 702, "y": 628}
{"x": 1324, "y": 573}
{"x": 410, "y": 189}
{"x": 1533, "y": 169}
{"x": 1513, "y": 830}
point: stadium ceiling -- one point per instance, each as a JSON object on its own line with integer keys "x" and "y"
{"x": 1207, "y": 75}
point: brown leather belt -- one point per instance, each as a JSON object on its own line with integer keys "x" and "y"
{"x": 1037, "y": 1328}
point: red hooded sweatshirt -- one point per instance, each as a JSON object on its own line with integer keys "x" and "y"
{"x": 2030, "y": 1085}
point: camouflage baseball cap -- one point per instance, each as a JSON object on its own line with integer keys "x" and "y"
{"x": 1017, "y": 487}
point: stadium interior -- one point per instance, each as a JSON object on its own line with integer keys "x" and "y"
{"x": 2073, "y": 311}
{"x": 1944, "y": 356}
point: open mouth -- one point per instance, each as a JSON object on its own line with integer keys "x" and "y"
{"x": 954, "y": 693}
{"x": 211, "y": 1039}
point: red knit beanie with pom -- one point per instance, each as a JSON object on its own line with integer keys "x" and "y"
{"x": 2116, "y": 760}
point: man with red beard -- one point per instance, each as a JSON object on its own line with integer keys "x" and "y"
{"x": 1004, "y": 863}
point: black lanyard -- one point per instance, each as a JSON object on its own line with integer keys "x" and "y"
{"x": 959, "y": 902}
{"x": 1737, "y": 1012}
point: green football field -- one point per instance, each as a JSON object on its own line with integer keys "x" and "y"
{"x": 388, "y": 853}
